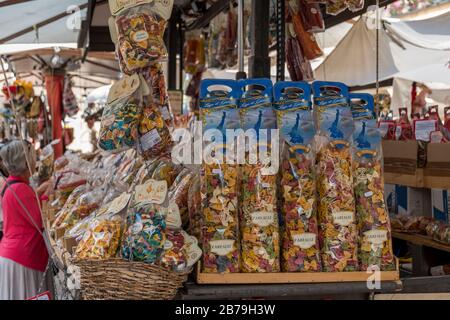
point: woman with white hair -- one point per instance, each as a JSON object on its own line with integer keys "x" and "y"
{"x": 23, "y": 254}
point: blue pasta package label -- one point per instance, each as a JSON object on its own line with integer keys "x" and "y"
{"x": 218, "y": 105}
{"x": 366, "y": 136}
{"x": 255, "y": 105}
{"x": 294, "y": 115}
{"x": 333, "y": 114}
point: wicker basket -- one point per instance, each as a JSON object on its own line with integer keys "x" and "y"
{"x": 118, "y": 279}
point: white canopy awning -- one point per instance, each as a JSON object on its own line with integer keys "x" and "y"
{"x": 41, "y": 21}
{"x": 432, "y": 33}
{"x": 354, "y": 59}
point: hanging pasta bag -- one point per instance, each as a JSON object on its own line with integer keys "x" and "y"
{"x": 300, "y": 243}
{"x": 120, "y": 119}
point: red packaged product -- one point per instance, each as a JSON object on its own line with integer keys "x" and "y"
{"x": 307, "y": 40}
{"x": 387, "y": 129}
{"x": 311, "y": 16}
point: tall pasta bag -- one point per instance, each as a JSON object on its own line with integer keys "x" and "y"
{"x": 120, "y": 119}
{"x": 260, "y": 238}
{"x": 338, "y": 232}
{"x": 375, "y": 243}
{"x": 300, "y": 243}
{"x": 219, "y": 179}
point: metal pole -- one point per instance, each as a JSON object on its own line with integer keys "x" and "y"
{"x": 241, "y": 43}
{"x": 259, "y": 63}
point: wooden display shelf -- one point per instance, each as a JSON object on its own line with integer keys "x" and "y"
{"x": 422, "y": 240}
{"x": 288, "y": 277}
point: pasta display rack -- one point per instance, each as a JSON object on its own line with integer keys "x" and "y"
{"x": 295, "y": 277}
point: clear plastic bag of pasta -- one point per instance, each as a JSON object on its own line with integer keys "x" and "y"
{"x": 338, "y": 232}
{"x": 102, "y": 239}
{"x": 154, "y": 135}
{"x": 154, "y": 76}
{"x": 219, "y": 180}
{"x": 120, "y": 119}
{"x": 375, "y": 242}
{"x": 195, "y": 208}
{"x": 140, "y": 37}
{"x": 68, "y": 205}
{"x": 178, "y": 194}
{"x": 260, "y": 237}
{"x": 300, "y": 245}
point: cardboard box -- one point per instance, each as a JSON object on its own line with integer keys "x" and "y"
{"x": 70, "y": 244}
{"x": 440, "y": 204}
{"x": 438, "y": 160}
{"x": 400, "y": 156}
{"x": 413, "y": 201}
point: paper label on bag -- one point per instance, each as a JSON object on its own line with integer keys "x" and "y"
{"x": 368, "y": 194}
{"x": 304, "y": 240}
{"x": 108, "y": 120}
{"x": 217, "y": 171}
{"x": 398, "y": 132}
{"x": 168, "y": 245}
{"x": 150, "y": 139}
{"x": 262, "y": 218}
{"x": 165, "y": 113}
{"x": 222, "y": 247}
{"x": 376, "y": 237}
{"x": 140, "y": 36}
{"x": 151, "y": 192}
{"x": 423, "y": 129}
{"x": 173, "y": 217}
{"x": 194, "y": 253}
{"x": 117, "y": 6}
{"x": 124, "y": 88}
{"x": 344, "y": 218}
{"x": 136, "y": 228}
{"x": 119, "y": 203}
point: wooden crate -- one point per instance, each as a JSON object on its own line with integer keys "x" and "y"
{"x": 289, "y": 277}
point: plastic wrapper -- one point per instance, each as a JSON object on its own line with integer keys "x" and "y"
{"x": 375, "y": 240}
{"x": 166, "y": 170}
{"x": 140, "y": 34}
{"x": 355, "y": 5}
{"x": 260, "y": 237}
{"x": 310, "y": 48}
{"x": 178, "y": 194}
{"x": 84, "y": 206}
{"x": 154, "y": 135}
{"x": 68, "y": 205}
{"x": 120, "y": 119}
{"x": 299, "y": 68}
{"x": 219, "y": 180}
{"x": 194, "y": 53}
{"x": 311, "y": 15}
{"x": 102, "y": 239}
{"x": 66, "y": 182}
{"x": 45, "y": 167}
{"x": 70, "y": 103}
{"x": 195, "y": 208}
{"x": 145, "y": 236}
{"x": 338, "y": 232}
{"x": 334, "y": 7}
{"x": 300, "y": 244}
{"x": 60, "y": 163}
{"x": 154, "y": 76}
{"x": 442, "y": 234}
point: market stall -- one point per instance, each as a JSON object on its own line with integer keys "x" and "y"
{"x": 303, "y": 213}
